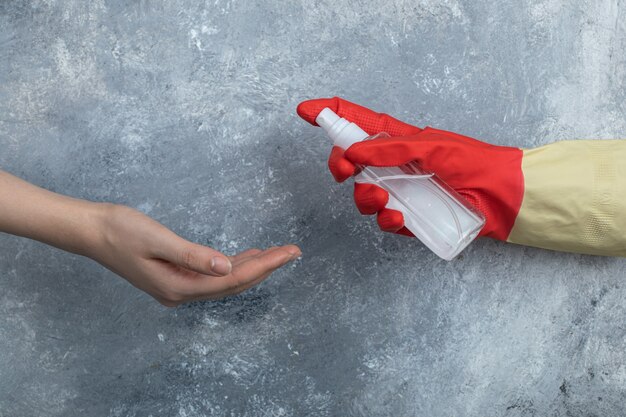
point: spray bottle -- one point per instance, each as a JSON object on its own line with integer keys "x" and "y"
{"x": 436, "y": 214}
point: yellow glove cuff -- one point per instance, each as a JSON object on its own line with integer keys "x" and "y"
{"x": 574, "y": 198}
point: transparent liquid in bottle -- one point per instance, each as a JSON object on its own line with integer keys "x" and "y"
{"x": 436, "y": 214}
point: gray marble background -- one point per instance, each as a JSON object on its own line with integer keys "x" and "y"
{"x": 186, "y": 110}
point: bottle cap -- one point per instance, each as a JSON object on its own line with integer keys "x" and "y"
{"x": 343, "y": 133}
{"x": 326, "y": 119}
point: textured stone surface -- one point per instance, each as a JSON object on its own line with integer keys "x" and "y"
{"x": 186, "y": 110}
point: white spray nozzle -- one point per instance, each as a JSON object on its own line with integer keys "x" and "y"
{"x": 343, "y": 133}
{"x": 326, "y": 119}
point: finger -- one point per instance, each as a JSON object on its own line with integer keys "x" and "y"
{"x": 366, "y": 119}
{"x": 394, "y": 151}
{"x": 247, "y": 255}
{"x": 390, "y": 220}
{"x": 249, "y": 271}
{"x": 246, "y": 287}
{"x": 340, "y": 167}
{"x": 194, "y": 257}
{"x": 436, "y": 151}
{"x": 259, "y": 276}
{"x": 240, "y": 257}
{"x": 370, "y": 198}
{"x": 195, "y": 287}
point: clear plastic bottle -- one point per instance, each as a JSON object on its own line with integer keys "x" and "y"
{"x": 436, "y": 214}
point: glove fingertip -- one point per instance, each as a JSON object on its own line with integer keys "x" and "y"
{"x": 370, "y": 198}
{"x": 342, "y": 171}
{"x": 310, "y": 109}
{"x": 340, "y": 167}
{"x": 390, "y": 220}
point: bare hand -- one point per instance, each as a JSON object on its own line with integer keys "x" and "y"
{"x": 131, "y": 244}
{"x": 172, "y": 269}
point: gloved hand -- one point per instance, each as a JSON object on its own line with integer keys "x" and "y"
{"x": 488, "y": 176}
{"x": 565, "y": 196}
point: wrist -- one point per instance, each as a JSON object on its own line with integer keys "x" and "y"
{"x": 91, "y": 235}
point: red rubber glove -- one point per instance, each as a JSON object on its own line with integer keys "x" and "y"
{"x": 489, "y": 177}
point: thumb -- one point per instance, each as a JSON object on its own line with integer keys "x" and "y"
{"x": 198, "y": 258}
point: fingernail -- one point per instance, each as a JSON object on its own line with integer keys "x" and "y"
{"x": 221, "y": 265}
{"x": 294, "y": 253}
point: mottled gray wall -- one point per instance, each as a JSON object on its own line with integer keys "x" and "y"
{"x": 186, "y": 110}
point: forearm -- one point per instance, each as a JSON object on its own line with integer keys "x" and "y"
{"x": 30, "y": 211}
